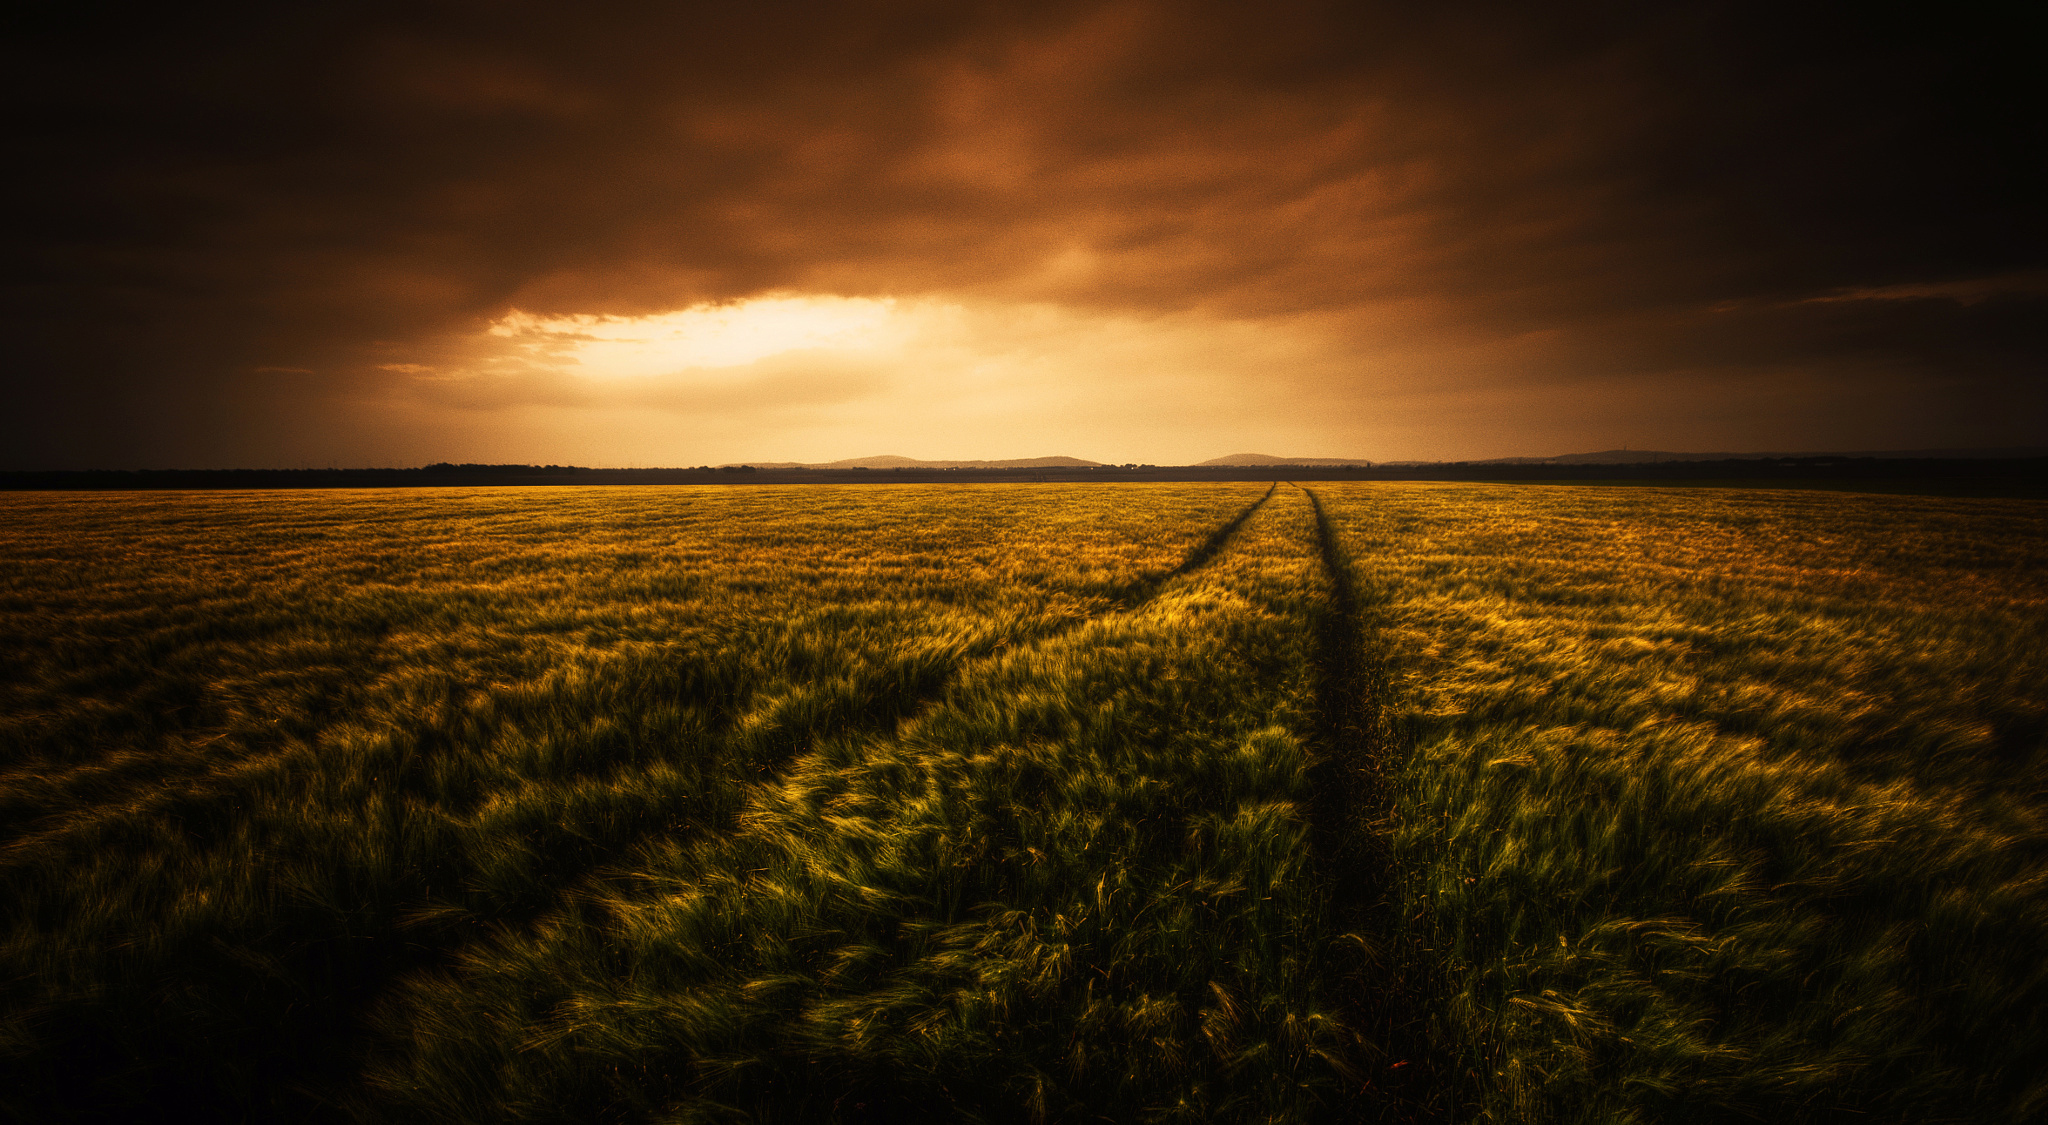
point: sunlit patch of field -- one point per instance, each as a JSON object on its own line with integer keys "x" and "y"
{"x": 1721, "y": 804}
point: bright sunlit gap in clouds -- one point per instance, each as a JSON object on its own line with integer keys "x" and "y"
{"x": 792, "y": 376}
{"x": 704, "y": 336}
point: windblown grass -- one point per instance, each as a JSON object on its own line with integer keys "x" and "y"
{"x": 1080, "y": 885}
{"x": 1722, "y": 805}
{"x": 265, "y": 753}
{"x": 1023, "y": 803}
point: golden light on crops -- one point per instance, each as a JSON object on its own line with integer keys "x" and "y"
{"x": 702, "y": 336}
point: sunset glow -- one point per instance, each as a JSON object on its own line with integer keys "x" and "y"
{"x": 1120, "y": 230}
{"x": 701, "y": 336}
{"x": 1085, "y": 560}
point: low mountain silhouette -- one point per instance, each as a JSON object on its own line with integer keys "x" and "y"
{"x": 1640, "y": 456}
{"x": 1637, "y": 457}
{"x": 890, "y": 461}
{"x": 1245, "y": 459}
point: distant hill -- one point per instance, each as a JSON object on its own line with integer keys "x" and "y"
{"x": 1641, "y": 456}
{"x": 1634, "y": 457}
{"x": 889, "y": 461}
{"x": 1267, "y": 460}
{"x": 1256, "y": 459}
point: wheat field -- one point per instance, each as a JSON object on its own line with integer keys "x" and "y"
{"x": 1023, "y": 802}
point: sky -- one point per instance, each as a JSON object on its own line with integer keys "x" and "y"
{"x": 308, "y": 234}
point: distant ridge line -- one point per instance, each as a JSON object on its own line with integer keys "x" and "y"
{"x": 1976, "y": 476}
{"x": 1237, "y": 460}
{"x": 1653, "y": 456}
{"x": 1644, "y": 457}
{"x": 891, "y": 461}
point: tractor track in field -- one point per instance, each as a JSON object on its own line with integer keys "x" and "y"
{"x": 1200, "y": 556}
{"x": 766, "y": 765}
{"x": 1132, "y": 597}
{"x": 1351, "y": 813}
{"x": 766, "y": 769}
{"x": 890, "y": 713}
{"x": 210, "y": 780}
{"x": 887, "y": 714}
{"x": 434, "y": 934}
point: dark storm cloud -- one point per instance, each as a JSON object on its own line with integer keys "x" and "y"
{"x": 229, "y": 220}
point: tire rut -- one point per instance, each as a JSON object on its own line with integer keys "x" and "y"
{"x": 1133, "y": 596}
{"x": 1351, "y": 812}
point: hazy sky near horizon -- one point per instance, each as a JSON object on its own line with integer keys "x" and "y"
{"x": 309, "y": 234}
